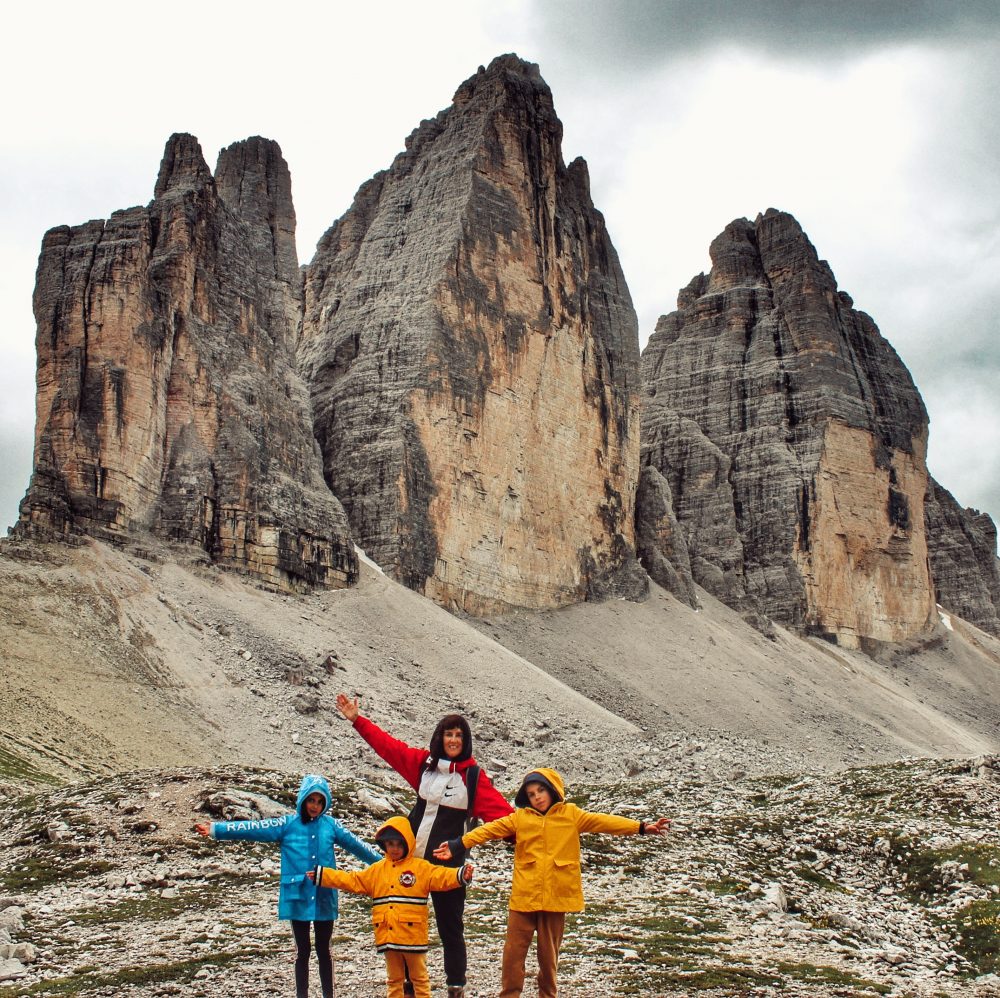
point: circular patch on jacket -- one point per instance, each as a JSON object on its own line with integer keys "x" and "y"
{"x": 407, "y": 879}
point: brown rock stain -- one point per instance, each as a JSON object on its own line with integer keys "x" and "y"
{"x": 864, "y": 562}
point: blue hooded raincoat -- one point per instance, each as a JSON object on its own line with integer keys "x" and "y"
{"x": 304, "y": 846}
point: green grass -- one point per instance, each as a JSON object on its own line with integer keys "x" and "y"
{"x": 149, "y": 907}
{"x": 38, "y": 872}
{"x": 727, "y": 885}
{"x": 978, "y": 938}
{"x": 923, "y": 880}
{"x": 89, "y": 979}
{"x": 18, "y": 769}
{"x": 811, "y": 876}
{"x": 813, "y": 974}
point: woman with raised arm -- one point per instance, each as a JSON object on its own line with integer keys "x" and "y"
{"x": 450, "y": 788}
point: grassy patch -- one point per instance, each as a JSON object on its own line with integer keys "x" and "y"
{"x": 727, "y": 885}
{"x": 813, "y": 974}
{"x": 978, "y": 938}
{"x": 86, "y": 979}
{"x": 922, "y": 866}
{"x": 18, "y": 769}
{"x": 729, "y": 979}
{"x": 148, "y": 907}
{"x": 37, "y": 872}
{"x": 811, "y": 876}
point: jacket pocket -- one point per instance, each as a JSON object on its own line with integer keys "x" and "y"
{"x": 293, "y": 888}
{"x": 567, "y": 877}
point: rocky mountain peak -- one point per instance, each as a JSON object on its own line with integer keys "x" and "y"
{"x": 183, "y": 166}
{"x": 473, "y": 357}
{"x": 792, "y": 439}
{"x": 253, "y": 179}
{"x": 168, "y": 399}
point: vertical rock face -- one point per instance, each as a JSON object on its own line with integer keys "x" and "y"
{"x": 472, "y": 352}
{"x": 793, "y": 441}
{"x": 963, "y": 551}
{"x": 167, "y": 396}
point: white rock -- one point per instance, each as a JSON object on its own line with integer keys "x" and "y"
{"x": 11, "y": 969}
{"x": 774, "y": 896}
{"x": 25, "y": 952}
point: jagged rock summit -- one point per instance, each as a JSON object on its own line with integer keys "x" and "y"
{"x": 167, "y": 396}
{"x": 472, "y": 352}
{"x": 792, "y": 441}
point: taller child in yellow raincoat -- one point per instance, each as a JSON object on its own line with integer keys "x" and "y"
{"x": 547, "y": 880}
{"x": 398, "y": 885}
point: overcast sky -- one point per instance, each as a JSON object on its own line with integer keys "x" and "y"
{"x": 874, "y": 122}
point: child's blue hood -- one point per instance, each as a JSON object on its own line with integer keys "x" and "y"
{"x": 311, "y": 784}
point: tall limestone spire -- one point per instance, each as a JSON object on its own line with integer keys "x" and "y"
{"x": 167, "y": 396}
{"x": 472, "y": 352}
{"x": 793, "y": 441}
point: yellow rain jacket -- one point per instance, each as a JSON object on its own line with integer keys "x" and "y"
{"x": 398, "y": 891}
{"x": 547, "y": 850}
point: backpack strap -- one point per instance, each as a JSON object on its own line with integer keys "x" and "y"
{"x": 471, "y": 785}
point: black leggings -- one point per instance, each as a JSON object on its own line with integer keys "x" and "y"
{"x": 323, "y": 932}
{"x": 449, "y": 912}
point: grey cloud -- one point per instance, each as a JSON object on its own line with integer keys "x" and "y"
{"x": 649, "y": 30}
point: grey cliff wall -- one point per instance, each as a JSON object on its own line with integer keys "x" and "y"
{"x": 964, "y": 564}
{"x": 472, "y": 352}
{"x": 793, "y": 441}
{"x": 167, "y": 395}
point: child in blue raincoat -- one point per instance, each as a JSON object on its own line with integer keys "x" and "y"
{"x": 307, "y": 839}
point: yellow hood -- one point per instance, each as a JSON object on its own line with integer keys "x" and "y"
{"x": 399, "y": 823}
{"x": 547, "y": 777}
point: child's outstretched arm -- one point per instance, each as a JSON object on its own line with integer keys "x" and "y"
{"x": 447, "y": 878}
{"x": 612, "y": 824}
{"x": 350, "y": 841}
{"x": 264, "y": 830}
{"x": 345, "y": 880}
{"x": 502, "y": 828}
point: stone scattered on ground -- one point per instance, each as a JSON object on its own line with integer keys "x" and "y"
{"x": 880, "y": 880}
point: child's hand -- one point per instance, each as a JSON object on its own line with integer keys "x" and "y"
{"x": 203, "y": 828}
{"x": 348, "y": 708}
{"x": 467, "y": 872}
{"x": 311, "y": 874}
{"x": 443, "y": 851}
{"x": 659, "y": 827}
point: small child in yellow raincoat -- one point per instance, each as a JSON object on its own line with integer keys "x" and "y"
{"x": 547, "y": 881}
{"x": 398, "y": 885}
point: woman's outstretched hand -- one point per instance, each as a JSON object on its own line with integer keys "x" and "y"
{"x": 349, "y": 708}
{"x": 443, "y": 851}
{"x": 659, "y": 827}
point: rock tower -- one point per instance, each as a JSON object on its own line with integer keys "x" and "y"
{"x": 472, "y": 352}
{"x": 793, "y": 442}
{"x": 167, "y": 396}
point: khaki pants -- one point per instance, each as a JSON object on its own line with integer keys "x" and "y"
{"x": 397, "y": 963}
{"x": 521, "y": 927}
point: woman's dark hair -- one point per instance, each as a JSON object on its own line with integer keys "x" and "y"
{"x": 447, "y": 722}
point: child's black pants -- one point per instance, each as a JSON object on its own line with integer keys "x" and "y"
{"x": 323, "y": 932}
